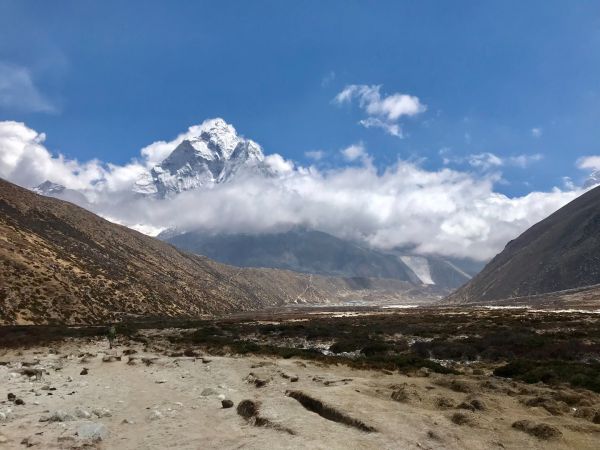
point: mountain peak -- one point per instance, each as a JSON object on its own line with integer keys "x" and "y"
{"x": 49, "y": 188}
{"x": 214, "y": 155}
{"x": 593, "y": 179}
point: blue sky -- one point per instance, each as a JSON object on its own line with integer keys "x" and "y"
{"x": 112, "y": 77}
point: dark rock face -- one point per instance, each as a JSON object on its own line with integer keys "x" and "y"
{"x": 561, "y": 252}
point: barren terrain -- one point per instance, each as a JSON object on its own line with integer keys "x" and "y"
{"x": 157, "y": 389}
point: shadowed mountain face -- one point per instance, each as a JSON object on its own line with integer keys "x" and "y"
{"x": 62, "y": 264}
{"x": 316, "y": 252}
{"x": 559, "y": 253}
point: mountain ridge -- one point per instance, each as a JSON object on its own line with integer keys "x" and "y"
{"x": 63, "y": 264}
{"x": 562, "y": 252}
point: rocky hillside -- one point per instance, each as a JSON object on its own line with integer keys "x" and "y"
{"x": 61, "y": 263}
{"x": 557, "y": 254}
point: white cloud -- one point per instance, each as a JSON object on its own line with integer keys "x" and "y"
{"x": 389, "y": 128}
{"x": 524, "y": 161}
{"x": 354, "y": 152}
{"x": 328, "y": 78}
{"x": 26, "y": 161}
{"x": 484, "y": 160}
{"x": 446, "y": 211}
{"x": 18, "y": 91}
{"x": 383, "y": 111}
{"x": 278, "y": 164}
{"x": 487, "y": 161}
{"x": 589, "y": 162}
{"x": 537, "y": 132}
{"x": 315, "y": 155}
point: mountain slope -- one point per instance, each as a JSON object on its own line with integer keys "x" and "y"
{"x": 61, "y": 263}
{"x": 316, "y": 252}
{"x": 559, "y": 253}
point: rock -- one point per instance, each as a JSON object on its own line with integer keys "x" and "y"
{"x": 82, "y": 413}
{"x": 101, "y": 412}
{"x": 29, "y": 442}
{"x": 423, "y": 372}
{"x": 84, "y": 371}
{"x": 155, "y": 415}
{"x": 247, "y": 409}
{"x": 19, "y": 401}
{"x": 58, "y": 416}
{"x": 11, "y": 397}
{"x": 293, "y": 379}
{"x": 207, "y": 392}
{"x": 3, "y": 417}
{"x": 226, "y": 403}
{"x": 160, "y": 381}
{"x": 93, "y": 431}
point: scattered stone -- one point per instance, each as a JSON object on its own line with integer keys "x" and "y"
{"x": 82, "y": 413}
{"x": 155, "y": 415}
{"x": 84, "y": 371}
{"x": 29, "y": 442}
{"x": 11, "y": 397}
{"x": 101, "y": 412}
{"x": 58, "y": 416}
{"x": 207, "y": 392}
{"x": 19, "y": 401}
{"x": 96, "y": 432}
{"x": 253, "y": 379}
{"x": 110, "y": 358}
{"x": 226, "y": 404}
{"x": 539, "y": 430}
{"x": 247, "y": 409}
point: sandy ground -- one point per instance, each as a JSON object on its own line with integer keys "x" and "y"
{"x": 175, "y": 402}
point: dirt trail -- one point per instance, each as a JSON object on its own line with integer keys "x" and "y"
{"x": 175, "y": 402}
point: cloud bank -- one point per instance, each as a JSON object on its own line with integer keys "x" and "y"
{"x": 447, "y": 212}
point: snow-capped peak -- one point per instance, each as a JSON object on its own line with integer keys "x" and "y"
{"x": 593, "y": 179}
{"x": 213, "y": 155}
{"x": 49, "y": 188}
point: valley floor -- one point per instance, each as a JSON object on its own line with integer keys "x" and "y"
{"x": 147, "y": 394}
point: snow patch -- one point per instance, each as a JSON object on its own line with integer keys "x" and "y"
{"x": 420, "y": 266}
